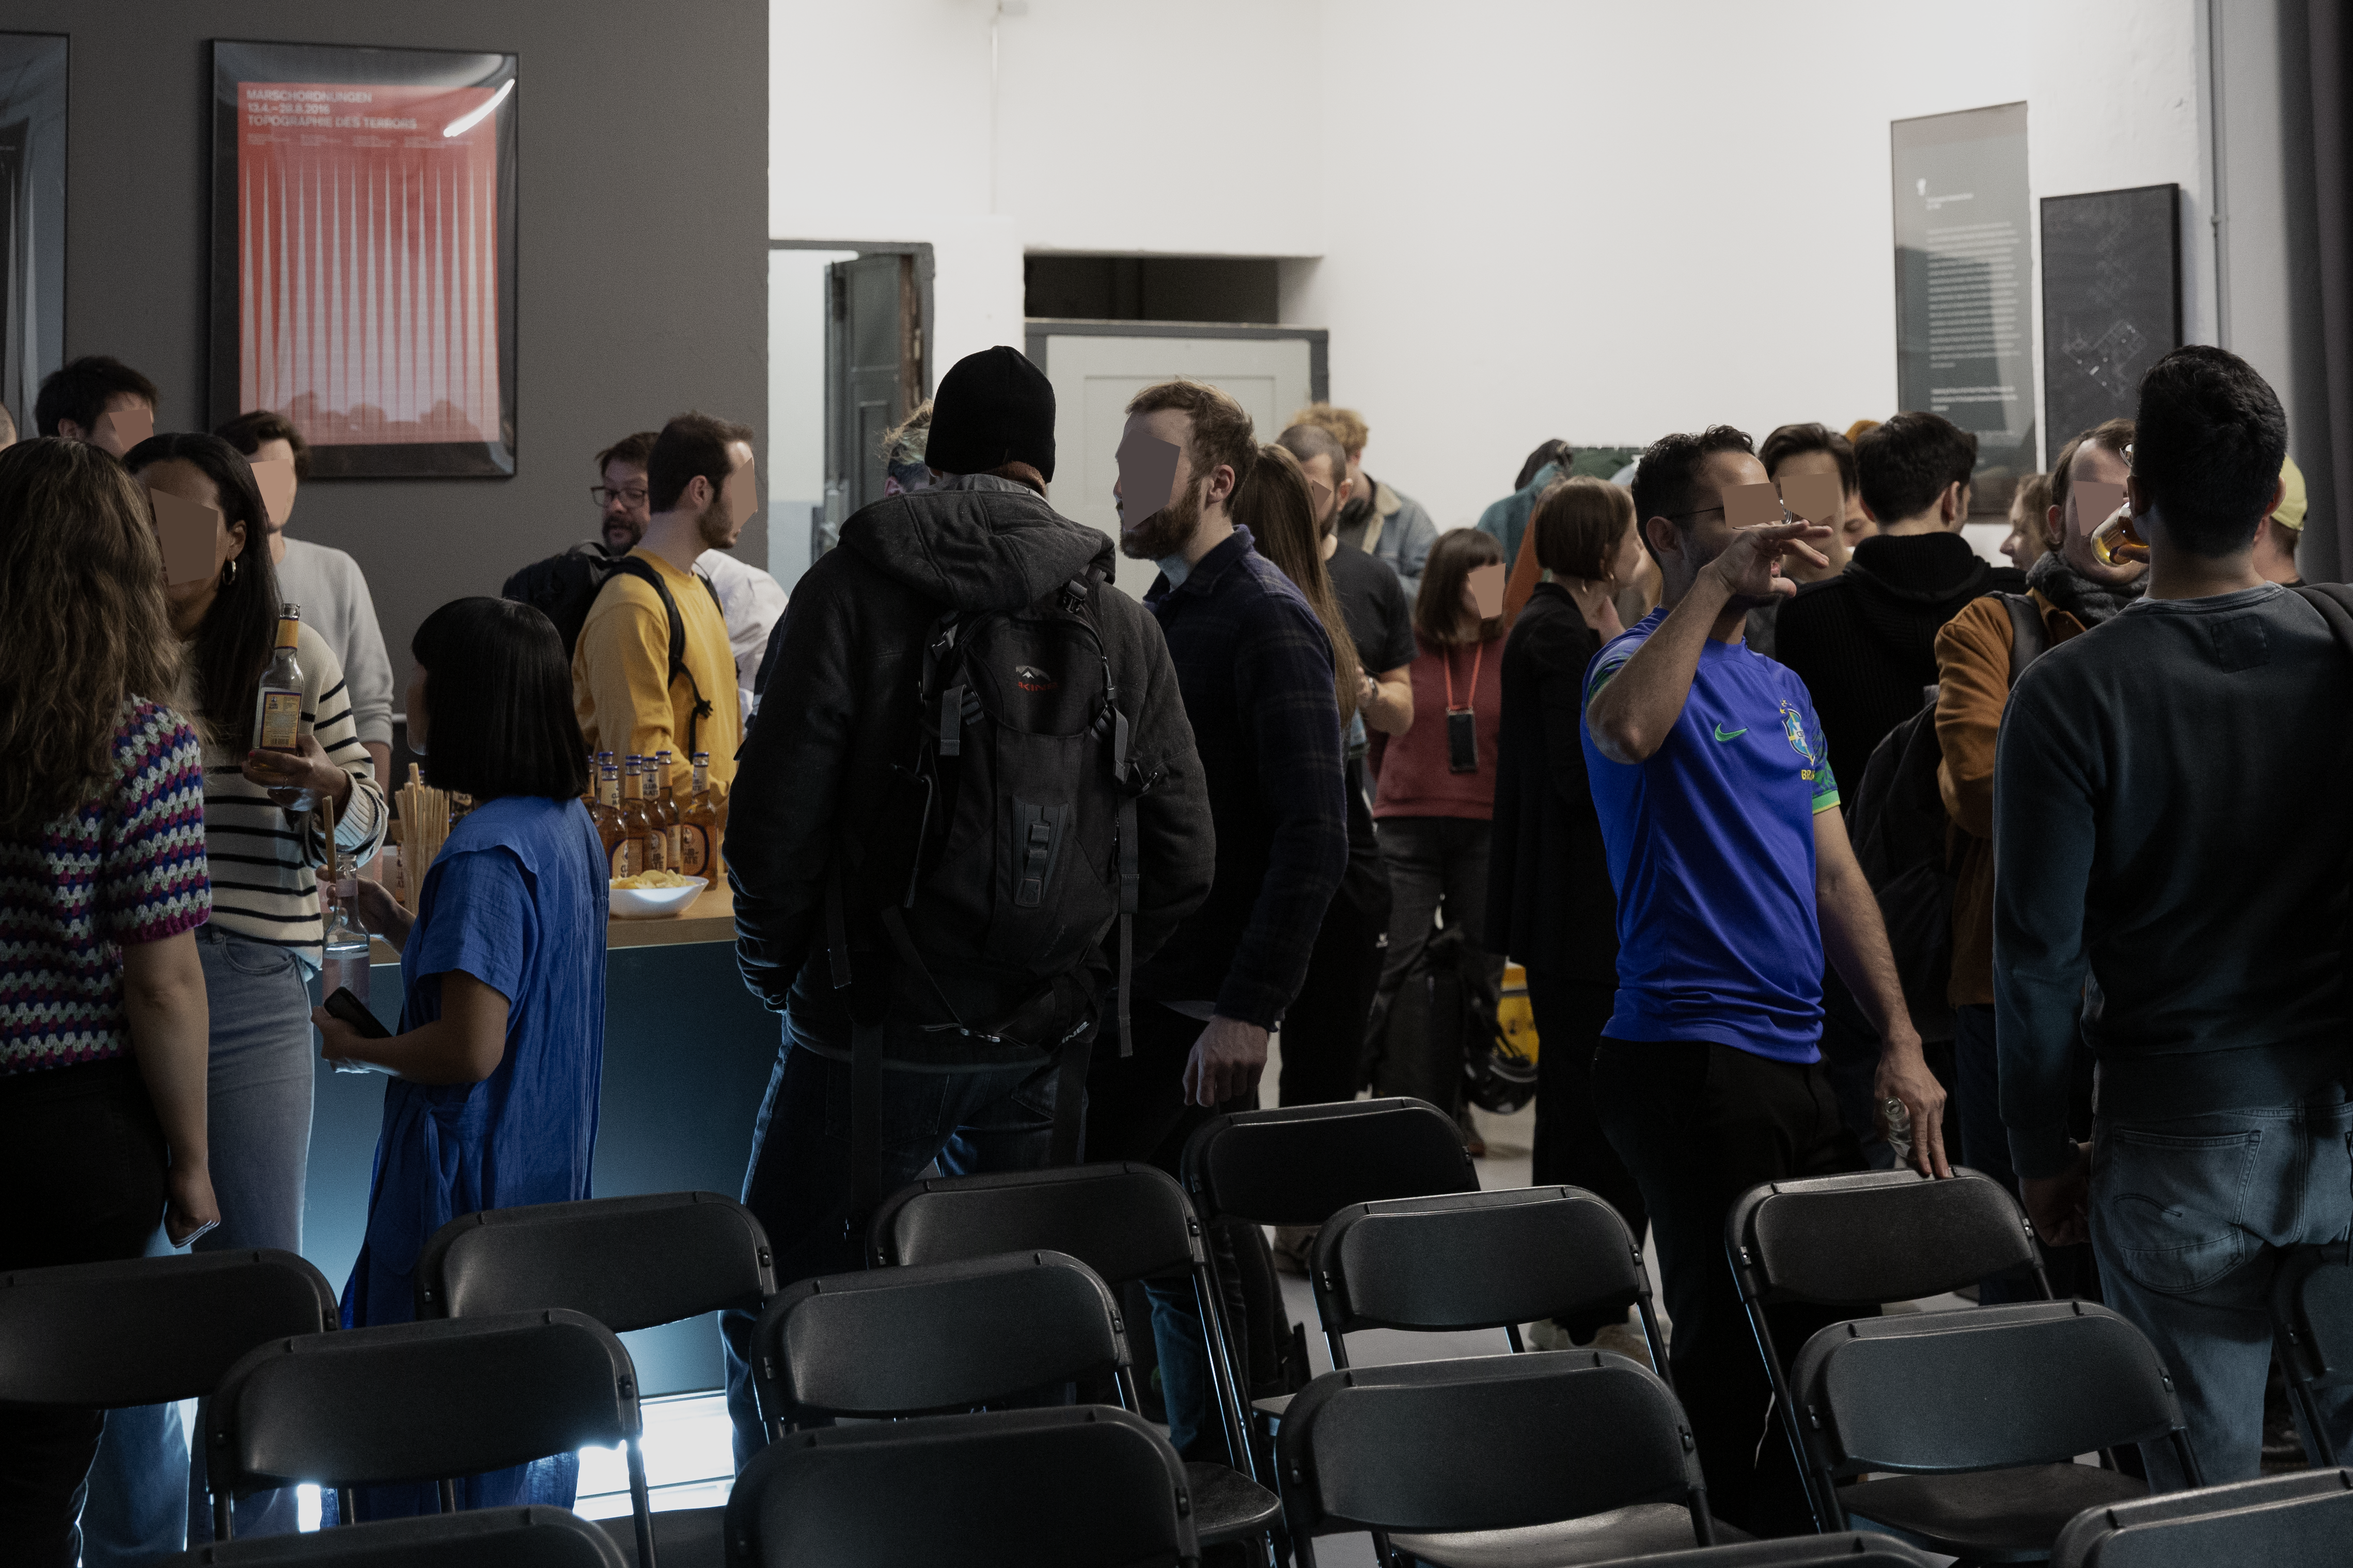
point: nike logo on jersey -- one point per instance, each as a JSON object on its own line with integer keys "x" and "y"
{"x": 1724, "y": 734}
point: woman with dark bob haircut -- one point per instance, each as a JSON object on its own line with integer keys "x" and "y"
{"x": 496, "y": 1068}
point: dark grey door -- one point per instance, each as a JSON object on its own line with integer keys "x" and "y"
{"x": 874, "y": 374}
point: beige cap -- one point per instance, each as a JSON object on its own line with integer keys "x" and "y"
{"x": 2291, "y": 509}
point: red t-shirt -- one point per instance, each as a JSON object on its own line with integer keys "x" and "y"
{"x": 1411, "y": 769}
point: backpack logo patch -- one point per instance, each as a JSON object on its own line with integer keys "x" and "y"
{"x": 1029, "y": 678}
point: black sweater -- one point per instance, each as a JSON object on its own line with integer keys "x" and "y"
{"x": 2162, "y": 823}
{"x": 1864, "y": 642}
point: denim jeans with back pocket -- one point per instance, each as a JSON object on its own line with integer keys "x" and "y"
{"x": 2189, "y": 1216}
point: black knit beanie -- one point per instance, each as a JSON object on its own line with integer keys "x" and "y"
{"x": 992, "y": 408}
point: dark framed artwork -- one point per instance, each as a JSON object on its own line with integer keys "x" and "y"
{"x": 2111, "y": 301}
{"x": 1964, "y": 320}
{"x": 32, "y": 217}
{"x": 363, "y": 254}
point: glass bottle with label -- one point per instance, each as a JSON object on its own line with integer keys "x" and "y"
{"x": 699, "y": 824}
{"x": 608, "y": 818}
{"x": 643, "y": 822}
{"x": 667, "y": 808}
{"x": 277, "y": 705}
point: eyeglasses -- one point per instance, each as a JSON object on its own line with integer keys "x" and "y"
{"x": 604, "y": 495}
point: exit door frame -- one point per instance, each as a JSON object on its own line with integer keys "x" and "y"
{"x": 1038, "y": 329}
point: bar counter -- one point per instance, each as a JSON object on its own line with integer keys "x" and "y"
{"x": 688, "y": 1051}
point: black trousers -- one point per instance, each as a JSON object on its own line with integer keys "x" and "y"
{"x": 1699, "y": 1124}
{"x": 83, "y": 1159}
{"x": 1571, "y": 1147}
{"x": 1324, "y": 1032}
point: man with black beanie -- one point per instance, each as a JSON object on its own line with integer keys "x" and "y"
{"x": 905, "y": 1042}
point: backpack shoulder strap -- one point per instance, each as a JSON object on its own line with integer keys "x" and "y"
{"x": 2334, "y": 603}
{"x": 2030, "y": 639}
{"x": 637, "y": 567}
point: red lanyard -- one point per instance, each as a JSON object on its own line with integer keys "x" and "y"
{"x": 1477, "y": 654}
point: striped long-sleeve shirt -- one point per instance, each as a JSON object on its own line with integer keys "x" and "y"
{"x": 262, "y": 857}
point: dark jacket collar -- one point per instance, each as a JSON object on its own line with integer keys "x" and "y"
{"x": 1207, "y": 570}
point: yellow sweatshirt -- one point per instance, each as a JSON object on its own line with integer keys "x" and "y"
{"x": 619, "y": 668}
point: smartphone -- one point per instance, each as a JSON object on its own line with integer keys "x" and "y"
{"x": 1461, "y": 740}
{"x": 354, "y": 1012}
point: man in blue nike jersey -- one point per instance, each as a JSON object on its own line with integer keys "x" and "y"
{"x": 1734, "y": 874}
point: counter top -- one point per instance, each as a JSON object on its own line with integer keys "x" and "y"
{"x": 711, "y": 918}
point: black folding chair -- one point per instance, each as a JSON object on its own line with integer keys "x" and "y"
{"x": 1979, "y": 1415}
{"x": 630, "y": 1263}
{"x": 1572, "y": 1457}
{"x": 147, "y": 1331}
{"x": 1478, "y": 1260}
{"x": 947, "y": 1336}
{"x": 1127, "y": 1223}
{"x": 424, "y": 1402}
{"x": 1844, "y": 1550}
{"x": 1861, "y": 1241}
{"x": 2312, "y": 1323}
{"x": 2303, "y": 1519}
{"x": 487, "y": 1538}
{"x": 1077, "y": 1487}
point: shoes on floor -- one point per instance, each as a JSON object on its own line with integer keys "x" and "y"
{"x": 1293, "y": 1246}
{"x": 1624, "y": 1338}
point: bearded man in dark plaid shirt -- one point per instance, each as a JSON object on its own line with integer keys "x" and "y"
{"x": 1255, "y": 668}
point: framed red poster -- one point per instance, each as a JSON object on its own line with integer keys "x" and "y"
{"x": 363, "y": 254}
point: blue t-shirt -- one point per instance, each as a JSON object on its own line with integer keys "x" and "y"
{"x": 1711, "y": 845}
{"x": 518, "y": 900}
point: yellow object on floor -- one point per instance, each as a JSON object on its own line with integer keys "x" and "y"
{"x": 1514, "y": 1017}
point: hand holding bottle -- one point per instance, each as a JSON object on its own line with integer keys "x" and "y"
{"x": 299, "y": 780}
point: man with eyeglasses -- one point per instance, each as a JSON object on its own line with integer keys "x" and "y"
{"x": 752, "y": 600}
{"x": 1719, "y": 813}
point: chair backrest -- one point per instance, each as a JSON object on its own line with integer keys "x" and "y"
{"x": 2303, "y": 1518}
{"x": 1847, "y": 1548}
{"x": 630, "y": 1263}
{"x": 419, "y": 1402}
{"x": 487, "y": 1538}
{"x": 1482, "y": 1442}
{"x": 1473, "y": 1261}
{"x": 1300, "y": 1164}
{"x": 1930, "y": 1393}
{"x": 2312, "y": 1303}
{"x": 146, "y": 1330}
{"x": 1876, "y": 1236}
{"x": 918, "y": 1340}
{"x": 1078, "y": 1486}
{"x": 1123, "y": 1221}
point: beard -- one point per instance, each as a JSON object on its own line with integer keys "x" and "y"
{"x": 1165, "y": 532}
{"x": 622, "y": 536}
{"x": 717, "y": 526}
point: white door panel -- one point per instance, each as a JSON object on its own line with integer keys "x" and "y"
{"x": 1093, "y": 377}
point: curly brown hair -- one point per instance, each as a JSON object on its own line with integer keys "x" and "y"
{"x": 1223, "y": 436}
{"x": 81, "y": 593}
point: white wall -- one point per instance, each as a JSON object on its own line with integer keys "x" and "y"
{"x": 1519, "y": 218}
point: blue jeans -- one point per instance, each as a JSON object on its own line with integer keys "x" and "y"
{"x": 2189, "y": 1217}
{"x": 145, "y": 1500}
{"x": 997, "y": 1118}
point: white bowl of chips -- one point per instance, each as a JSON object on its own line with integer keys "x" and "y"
{"x": 654, "y": 895}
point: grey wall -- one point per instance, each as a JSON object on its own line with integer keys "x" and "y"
{"x": 641, "y": 250}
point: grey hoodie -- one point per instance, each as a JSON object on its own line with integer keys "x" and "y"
{"x": 839, "y": 709}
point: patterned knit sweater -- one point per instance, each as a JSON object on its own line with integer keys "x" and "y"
{"x": 126, "y": 868}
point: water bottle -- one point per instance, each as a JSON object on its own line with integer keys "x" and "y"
{"x": 347, "y": 939}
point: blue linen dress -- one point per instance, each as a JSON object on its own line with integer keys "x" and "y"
{"x": 518, "y": 900}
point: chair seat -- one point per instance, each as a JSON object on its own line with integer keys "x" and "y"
{"x": 683, "y": 1537}
{"x": 1989, "y": 1516}
{"x": 1640, "y": 1530}
{"x": 1226, "y": 1504}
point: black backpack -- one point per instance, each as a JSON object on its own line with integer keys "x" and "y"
{"x": 563, "y": 587}
{"x": 1902, "y": 839}
{"x": 1002, "y": 855}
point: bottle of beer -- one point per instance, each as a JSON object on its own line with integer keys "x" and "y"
{"x": 277, "y": 705}
{"x": 643, "y": 821}
{"x": 667, "y": 808}
{"x": 699, "y": 825}
{"x": 609, "y": 818}
{"x": 2116, "y": 542}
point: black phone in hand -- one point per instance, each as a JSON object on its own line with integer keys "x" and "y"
{"x": 351, "y": 1010}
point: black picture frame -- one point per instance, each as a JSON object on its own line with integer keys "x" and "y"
{"x": 354, "y": 296}
{"x": 2111, "y": 301}
{"x": 33, "y": 100}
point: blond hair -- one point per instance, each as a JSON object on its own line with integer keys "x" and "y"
{"x": 81, "y": 593}
{"x": 1345, "y": 426}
